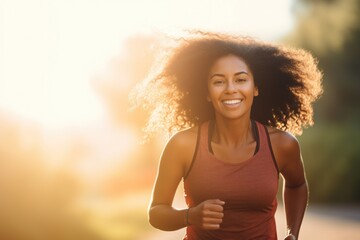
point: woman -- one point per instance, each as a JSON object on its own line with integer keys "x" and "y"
{"x": 233, "y": 102}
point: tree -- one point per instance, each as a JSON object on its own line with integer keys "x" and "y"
{"x": 330, "y": 29}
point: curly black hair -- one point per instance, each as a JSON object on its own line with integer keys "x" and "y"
{"x": 288, "y": 81}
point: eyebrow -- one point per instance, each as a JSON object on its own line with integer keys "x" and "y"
{"x": 222, "y": 75}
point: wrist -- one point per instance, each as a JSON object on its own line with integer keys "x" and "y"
{"x": 290, "y": 237}
{"x": 187, "y": 221}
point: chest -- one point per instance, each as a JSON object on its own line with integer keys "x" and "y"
{"x": 234, "y": 155}
{"x": 249, "y": 184}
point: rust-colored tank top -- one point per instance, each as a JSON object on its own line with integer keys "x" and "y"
{"x": 248, "y": 188}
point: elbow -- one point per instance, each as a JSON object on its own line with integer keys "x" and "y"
{"x": 153, "y": 219}
{"x": 157, "y": 221}
{"x": 302, "y": 185}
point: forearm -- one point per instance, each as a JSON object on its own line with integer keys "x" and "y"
{"x": 295, "y": 202}
{"x": 167, "y": 218}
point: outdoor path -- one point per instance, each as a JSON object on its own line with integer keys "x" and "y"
{"x": 320, "y": 222}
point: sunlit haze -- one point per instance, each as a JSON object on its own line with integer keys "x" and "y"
{"x": 73, "y": 160}
{"x": 50, "y": 50}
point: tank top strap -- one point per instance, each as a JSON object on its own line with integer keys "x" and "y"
{"x": 262, "y": 136}
{"x": 204, "y": 136}
{"x": 265, "y": 143}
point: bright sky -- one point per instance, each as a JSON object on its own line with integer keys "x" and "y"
{"x": 50, "y": 49}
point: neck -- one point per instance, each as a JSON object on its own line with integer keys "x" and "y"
{"x": 232, "y": 132}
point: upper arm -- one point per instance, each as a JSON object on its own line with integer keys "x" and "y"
{"x": 288, "y": 156}
{"x": 174, "y": 159}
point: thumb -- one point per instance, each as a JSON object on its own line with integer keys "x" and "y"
{"x": 217, "y": 201}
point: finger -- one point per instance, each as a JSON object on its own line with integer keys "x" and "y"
{"x": 211, "y": 226}
{"x": 212, "y": 214}
{"x": 214, "y": 208}
{"x": 220, "y": 202}
{"x": 212, "y": 220}
{"x": 216, "y": 201}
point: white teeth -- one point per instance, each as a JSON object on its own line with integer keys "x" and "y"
{"x": 232, "y": 102}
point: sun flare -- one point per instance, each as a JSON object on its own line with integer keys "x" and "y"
{"x": 50, "y": 53}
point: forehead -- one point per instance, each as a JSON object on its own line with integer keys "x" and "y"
{"x": 229, "y": 63}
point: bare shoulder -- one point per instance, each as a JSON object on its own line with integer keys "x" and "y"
{"x": 173, "y": 165}
{"x": 181, "y": 147}
{"x": 285, "y": 146}
{"x": 184, "y": 139}
{"x": 283, "y": 140}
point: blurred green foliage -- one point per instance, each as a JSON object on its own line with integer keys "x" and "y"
{"x": 330, "y": 29}
{"x": 332, "y": 163}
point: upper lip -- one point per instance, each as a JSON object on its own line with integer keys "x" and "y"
{"x": 231, "y": 99}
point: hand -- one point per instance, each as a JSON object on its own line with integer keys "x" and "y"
{"x": 208, "y": 214}
{"x": 290, "y": 237}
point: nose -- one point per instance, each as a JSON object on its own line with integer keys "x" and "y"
{"x": 230, "y": 87}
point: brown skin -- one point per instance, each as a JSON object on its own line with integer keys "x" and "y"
{"x": 295, "y": 191}
{"x": 232, "y": 135}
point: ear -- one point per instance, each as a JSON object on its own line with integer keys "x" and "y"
{"x": 256, "y": 91}
{"x": 208, "y": 98}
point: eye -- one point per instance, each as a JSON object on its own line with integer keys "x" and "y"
{"x": 239, "y": 80}
{"x": 218, "y": 82}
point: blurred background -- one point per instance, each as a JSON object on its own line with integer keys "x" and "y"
{"x": 73, "y": 164}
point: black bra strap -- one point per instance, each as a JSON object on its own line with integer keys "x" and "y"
{"x": 210, "y": 133}
{"x": 255, "y": 131}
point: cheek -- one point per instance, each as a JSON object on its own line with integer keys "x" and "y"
{"x": 211, "y": 93}
{"x": 251, "y": 89}
{"x": 210, "y": 96}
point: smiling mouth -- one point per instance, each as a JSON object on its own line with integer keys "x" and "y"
{"x": 232, "y": 102}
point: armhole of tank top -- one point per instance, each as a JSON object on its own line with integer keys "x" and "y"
{"x": 256, "y": 135}
{"x": 210, "y": 133}
{"x": 195, "y": 152}
{"x": 271, "y": 149}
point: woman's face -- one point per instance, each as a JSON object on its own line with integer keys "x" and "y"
{"x": 231, "y": 87}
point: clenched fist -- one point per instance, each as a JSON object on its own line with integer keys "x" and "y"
{"x": 207, "y": 215}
